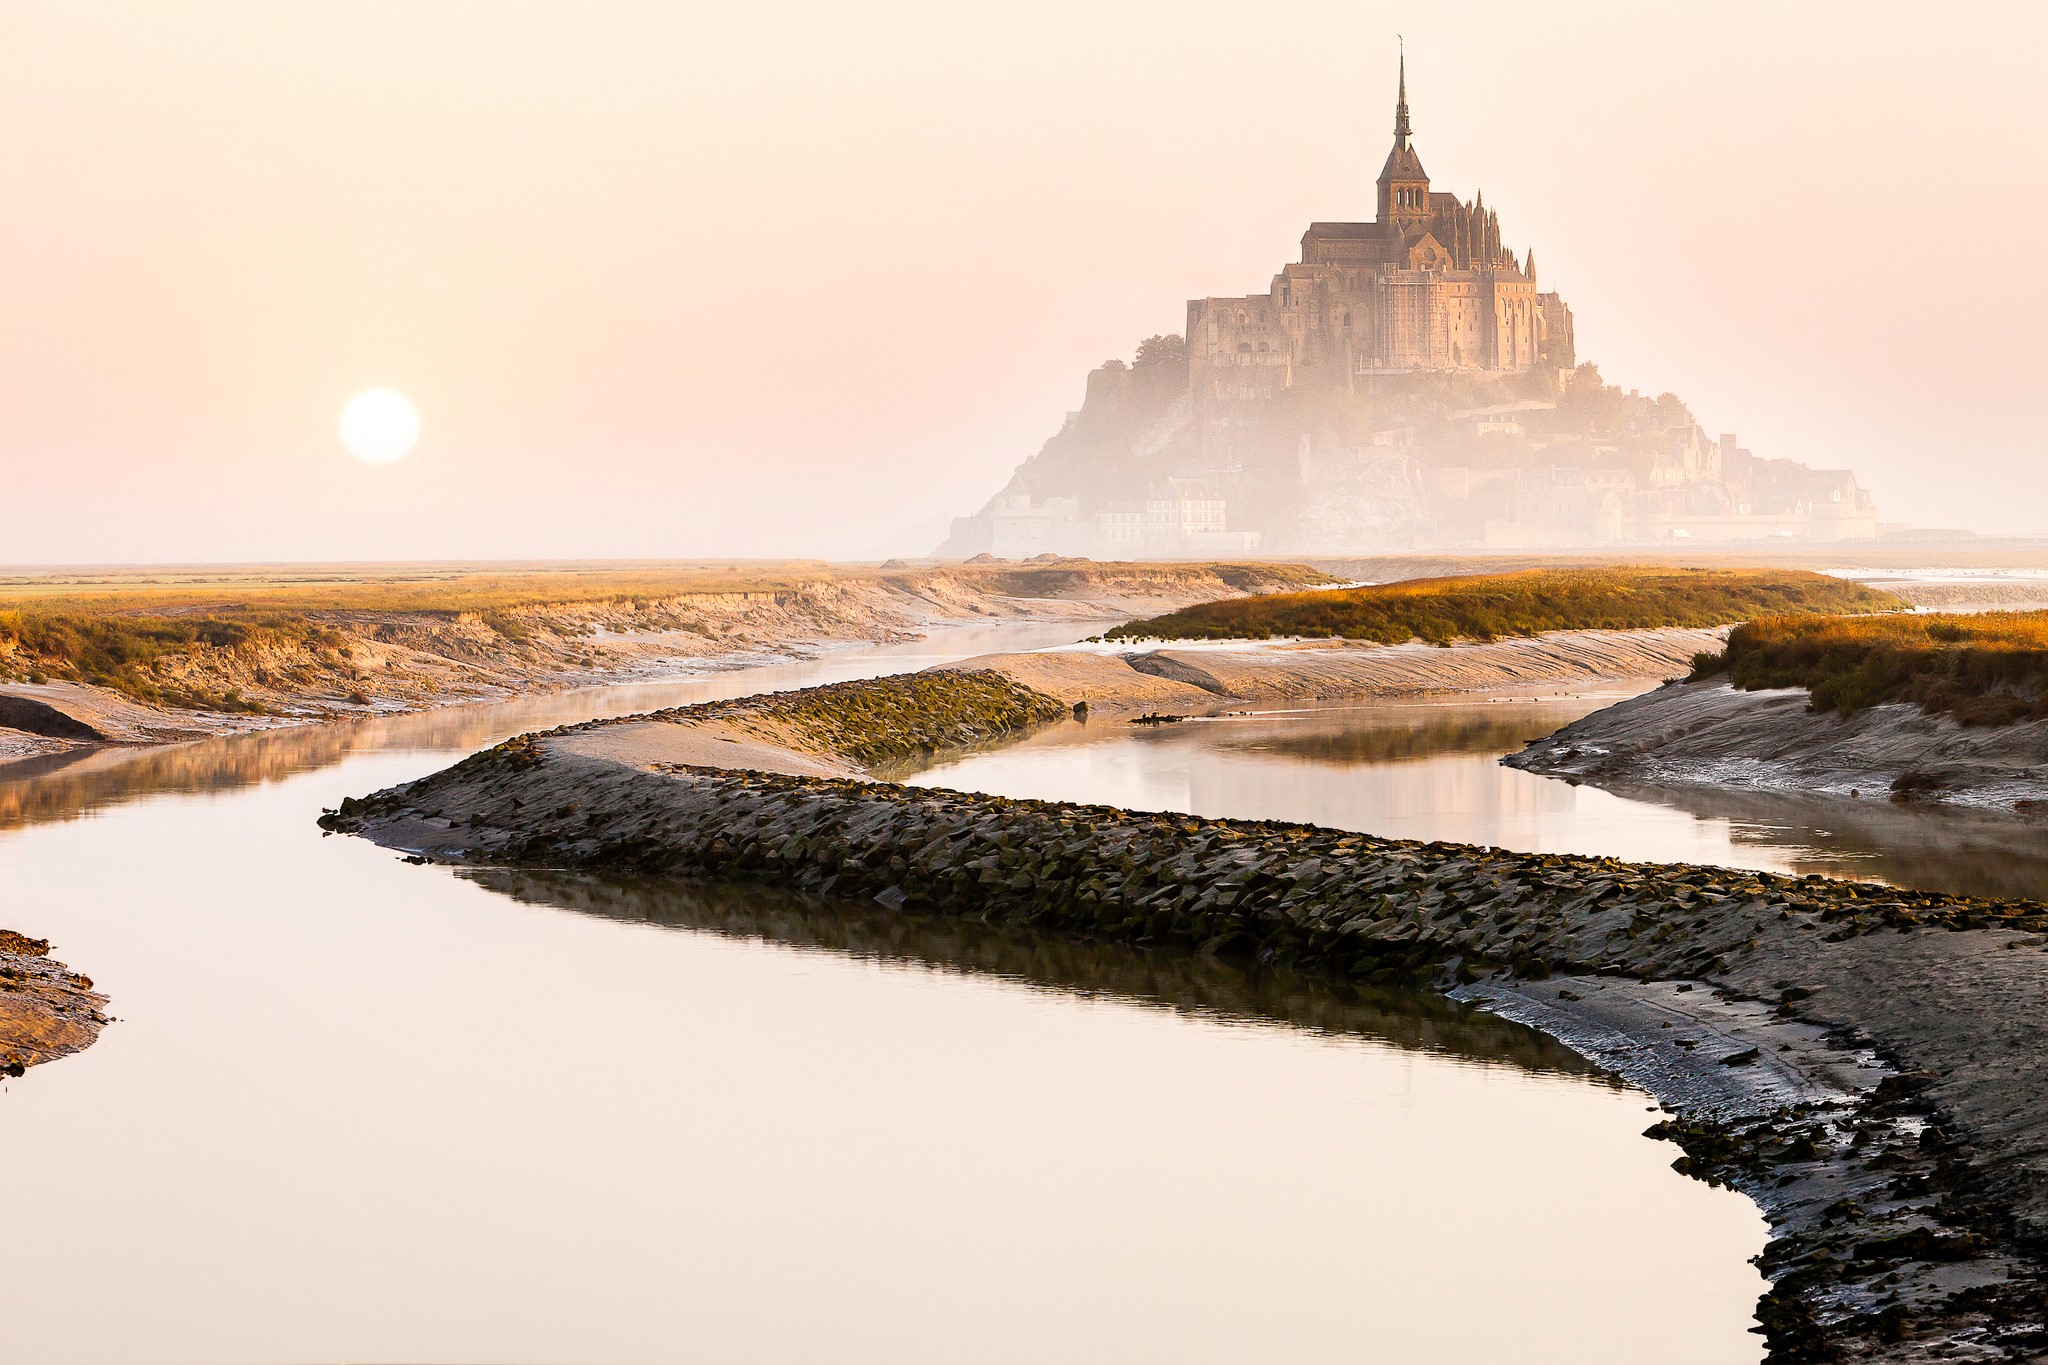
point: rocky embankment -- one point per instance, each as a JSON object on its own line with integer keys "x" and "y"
{"x": 1867, "y": 1063}
{"x": 1709, "y": 734}
{"x": 47, "y": 1010}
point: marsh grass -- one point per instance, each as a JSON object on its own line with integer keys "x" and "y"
{"x": 1528, "y": 602}
{"x": 120, "y": 629}
{"x": 125, "y": 652}
{"x": 881, "y": 721}
{"x": 1987, "y": 668}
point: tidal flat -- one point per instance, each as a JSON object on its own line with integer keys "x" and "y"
{"x": 352, "y": 1069}
{"x": 1856, "y": 1057}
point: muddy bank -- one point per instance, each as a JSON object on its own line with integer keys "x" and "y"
{"x": 340, "y": 663}
{"x": 1969, "y": 594}
{"x": 1709, "y": 735}
{"x": 1205, "y": 677}
{"x": 1864, "y": 1019}
{"x": 47, "y": 1010}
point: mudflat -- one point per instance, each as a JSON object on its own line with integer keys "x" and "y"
{"x": 1206, "y": 676}
{"x": 1710, "y": 734}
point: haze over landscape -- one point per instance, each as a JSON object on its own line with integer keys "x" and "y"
{"x": 812, "y": 280}
{"x": 1127, "y": 682}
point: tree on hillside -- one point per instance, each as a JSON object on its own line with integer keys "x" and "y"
{"x": 1169, "y": 351}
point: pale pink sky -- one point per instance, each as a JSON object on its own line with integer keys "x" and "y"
{"x": 673, "y": 280}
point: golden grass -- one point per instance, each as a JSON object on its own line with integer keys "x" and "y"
{"x": 1988, "y": 668}
{"x": 117, "y": 627}
{"x": 458, "y": 589}
{"x": 1529, "y": 602}
{"x": 448, "y": 590}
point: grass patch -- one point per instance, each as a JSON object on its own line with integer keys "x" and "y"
{"x": 891, "y": 720}
{"x": 1983, "y": 669}
{"x": 1530, "y": 602}
{"x": 125, "y": 652}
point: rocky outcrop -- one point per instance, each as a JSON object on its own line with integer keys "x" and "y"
{"x": 47, "y": 1010}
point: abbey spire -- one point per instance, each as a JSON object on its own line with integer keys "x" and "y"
{"x": 1403, "y": 184}
{"x": 1401, "y": 128}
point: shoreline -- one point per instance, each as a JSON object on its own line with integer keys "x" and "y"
{"x": 1906, "y": 1186}
{"x": 379, "y": 663}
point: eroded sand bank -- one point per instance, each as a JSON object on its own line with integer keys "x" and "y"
{"x": 1203, "y": 677}
{"x": 1708, "y": 734}
{"x": 385, "y": 662}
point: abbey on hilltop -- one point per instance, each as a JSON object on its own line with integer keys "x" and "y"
{"x": 1404, "y": 385}
{"x": 1427, "y": 285}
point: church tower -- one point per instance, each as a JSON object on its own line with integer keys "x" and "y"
{"x": 1403, "y": 184}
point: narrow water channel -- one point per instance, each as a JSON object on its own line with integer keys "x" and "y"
{"x": 1431, "y": 770}
{"x": 356, "y": 1109}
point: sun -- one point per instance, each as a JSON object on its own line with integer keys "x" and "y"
{"x": 379, "y": 426}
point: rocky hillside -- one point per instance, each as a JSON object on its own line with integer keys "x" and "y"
{"x": 1397, "y": 462}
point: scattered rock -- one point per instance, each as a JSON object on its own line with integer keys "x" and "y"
{"x": 47, "y": 1010}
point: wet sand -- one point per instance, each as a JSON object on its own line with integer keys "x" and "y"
{"x": 1708, "y": 734}
{"x": 1204, "y": 677}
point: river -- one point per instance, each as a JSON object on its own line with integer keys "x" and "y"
{"x": 358, "y": 1109}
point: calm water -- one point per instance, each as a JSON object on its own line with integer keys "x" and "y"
{"x": 1431, "y": 770}
{"x": 355, "y": 1109}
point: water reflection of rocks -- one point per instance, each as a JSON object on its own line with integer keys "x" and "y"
{"x": 1931, "y": 849}
{"x": 63, "y": 786}
{"x": 1344, "y": 738}
{"x": 1185, "y": 982}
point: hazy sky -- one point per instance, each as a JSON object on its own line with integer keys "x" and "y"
{"x": 669, "y": 279}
